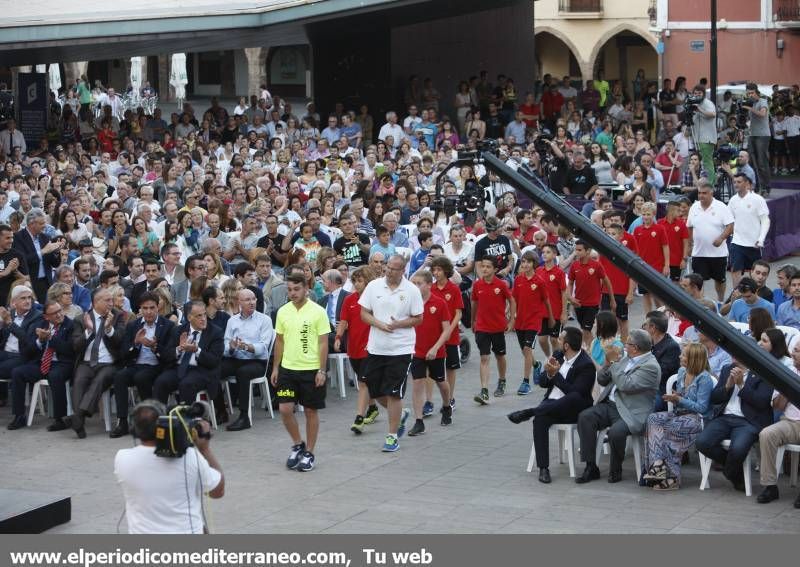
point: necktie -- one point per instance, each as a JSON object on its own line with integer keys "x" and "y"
{"x": 99, "y": 331}
{"x": 186, "y": 357}
{"x": 47, "y": 357}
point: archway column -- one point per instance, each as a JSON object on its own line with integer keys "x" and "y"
{"x": 256, "y": 68}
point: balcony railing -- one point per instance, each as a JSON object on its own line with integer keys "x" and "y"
{"x": 580, "y": 8}
{"x": 786, "y": 11}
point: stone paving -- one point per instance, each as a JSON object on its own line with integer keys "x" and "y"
{"x": 466, "y": 478}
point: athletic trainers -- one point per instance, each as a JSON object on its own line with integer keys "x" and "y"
{"x": 452, "y": 405}
{"x": 427, "y": 409}
{"x": 524, "y": 388}
{"x": 403, "y": 418}
{"x": 447, "y": 415}
{"x": 372, "y": 415}
{"x": 418, "y": 429}
{"x": 358, "y": 425}
{"x": 483, "y": 397}
{"x": 296, "y": 454}
{"x": 390, "y": 445}
{"x": 537, "y": 372}
{"x": 306, "y": 462}
{"x": 501, "y": 389}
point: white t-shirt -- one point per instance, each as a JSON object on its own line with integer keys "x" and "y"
{"x": 395, "y": 131}
{"x": 708, "y": 224}
{"x": 747, "y": 229}
{"x": 792, "y": 126}
{"x": 155, "y": 490}
{"x": 392, "y": 305}
{"x": 779, "y": 126}
{"x": 462, "y": 257}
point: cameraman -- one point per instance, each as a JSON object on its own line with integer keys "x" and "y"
{"x": 164, "y": 495}
{"x": 705, "y": 131}
{"x": 758, "y": 141}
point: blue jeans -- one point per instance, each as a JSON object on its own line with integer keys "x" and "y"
{"x": 742, "y": 435}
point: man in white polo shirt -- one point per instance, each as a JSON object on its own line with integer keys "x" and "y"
{"x": 392, "y": 306}
{"x": 710, "y": 223}
{"x": 750, "y": 226}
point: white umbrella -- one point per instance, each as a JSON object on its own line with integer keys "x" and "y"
{"x": 177, "y": 75}
{"x": 136, "y": 75}
{"x": 55, "y": 77}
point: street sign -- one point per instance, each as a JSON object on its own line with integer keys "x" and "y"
{"x": 697, "y": 45}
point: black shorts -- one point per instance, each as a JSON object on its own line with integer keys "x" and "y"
{"x": 711, "y": 268}
{"x": 491, "y": 342}
{"x": 422, "y": 368}
{"x": 622, "y": 306}
{"x": 453, "y": 357}
{"x": 526, "y": 338}
{"x": 357, "y": 364}
{"x": 641, "y": 289}
{"x": 777, "y": 147}
{"x": 385, "y": 375}
{"x": 548, "y": 331}
{"x": 742, "y": 257}
{"x": 299, "y": 386}
{"x": 675, "y": 273}
{"x": 586, "y": 316}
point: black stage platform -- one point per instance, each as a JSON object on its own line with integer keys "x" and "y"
{"x": 27, "y": 512}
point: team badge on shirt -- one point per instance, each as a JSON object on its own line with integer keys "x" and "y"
{"x": 552, "y": 277}
{"x": 533, "y": 287}
{"x": 497, "y": 291}
{"x": 677, "y": 228}
{"x": 653, "y": 234}
{"x": 624, "y": 242}
{"x": 433, "y": 309}
{"x": 447, "y": 296}
{"x": 591, "y": 271}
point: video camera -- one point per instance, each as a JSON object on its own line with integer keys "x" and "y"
{"x": 690, "y": 107}
{"x": 542, "y": 144}
{"x": 742, "y": 114}
{"x": 174, "y": 431}
{"x": 726, "y": 153}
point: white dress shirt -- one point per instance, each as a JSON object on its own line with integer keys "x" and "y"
{"x": 103, "y": 354}
{"x": 557, "y": 393}
{"x": 12, "y": 343}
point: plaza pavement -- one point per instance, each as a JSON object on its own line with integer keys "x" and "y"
{"x": 466, "y": 478}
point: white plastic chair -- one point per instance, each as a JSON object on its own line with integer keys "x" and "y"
{"x": 202, "y": 396}
{"x": 262, "y": 381}
{"x": 37, "y": 396}
{"x": 636, "y": 440}
{"x": 340, "y": 361}
{"x": 671, "y": 381}
{"x": 566, "y": 445}
{"x": 743, "y": 328}
{"x": 705, "y": 469}
{"x": 791, "y": 334}
{"x": 795, "y": 451}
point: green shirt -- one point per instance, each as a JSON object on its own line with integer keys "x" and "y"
{"x": 602, "y": 87}
{"x": 300, "y": 330}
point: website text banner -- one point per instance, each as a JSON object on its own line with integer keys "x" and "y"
{"x": 393, "y": 551}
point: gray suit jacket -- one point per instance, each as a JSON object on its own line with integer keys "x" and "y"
{"x": 636, "y": 389}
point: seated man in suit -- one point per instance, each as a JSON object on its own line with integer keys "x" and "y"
{"x": 332, "y": 302}
{"x": 50, "y": 357}
{"x": 15, "y": 329}
{"x": 569, "y": 378}
{"x": 41, "y": 255}
{"x": 96, "y": 341}
{"x": 745, "y": 408}
{"x": 631, "y": 385}
{"x": 145, "y": 349}
{"x": 248, "y": 337}
{"x": 198, "y": 350}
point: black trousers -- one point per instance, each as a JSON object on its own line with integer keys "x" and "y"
{"x": 196, "y": 379}
{"x": 60, "y": 373}
{"x": 591, "y": 420}
{"x": 40, "y": 287}
{"x": 140, "y": 375}
{"x": 550, "y": 412}
{"x": 8, "y": 361}
{"x": 742, "y": 434}
{"x": 244, "y": 371}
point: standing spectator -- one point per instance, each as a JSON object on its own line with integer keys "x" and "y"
{"x": 758, "y": 141}
{"x": 41, "y": 255}
{"x": 705, "y": 131}
{"x": 750, "y": 226}
{"x": 393, "y": 129}
{"x": 497, "y": 246}
{"x": 710, "y": 223}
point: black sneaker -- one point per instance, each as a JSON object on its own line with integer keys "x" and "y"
{"x": 483, "y": 397}
{"x": 295, "y": 455}
{"x": 358, "y": 425}
{"x": 447, "y": 415}
{"x": 418, "y": 429}
{"x": 501, "y": 389}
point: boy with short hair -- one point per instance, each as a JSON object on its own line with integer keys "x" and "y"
{"x": 622, "y": 286}
{"x": 533, "y": 304}
{"x": 425, "y": 239}
{"x": 490, "y": 297}
{"x": 429, "y": 352}
{"x": 587, "y": 277}
{"x": 651, "y": 239}
{"x": 383, "y": 244}
{"x": 555, "y": 282}
{"x": 442, "y": 270}
{"x": 677, "y": 240}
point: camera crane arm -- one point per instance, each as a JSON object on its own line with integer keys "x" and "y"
{"x": 711, "y": 324}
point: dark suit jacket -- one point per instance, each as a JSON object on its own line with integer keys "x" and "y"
{"x": 23, "y": 331}
{"x": 668, "y": 355}
{"x": 579, "y": 381}
{"x": 113, "y": 343}
{"x": 61, "y": 342}
{"x": 130, "y": 351}
{"x": 23, "y": 243}
{"x": 211, "y": 343}
{"x": 340, "y": 301}
{"x": 755, "y": 398}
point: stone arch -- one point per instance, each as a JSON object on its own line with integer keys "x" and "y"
{"x": 564, "y": 38}
{"x": 607, "y": 36}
